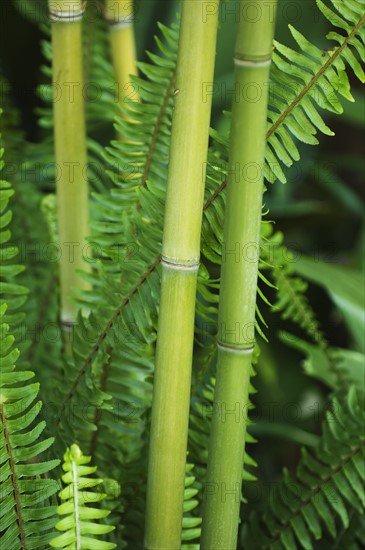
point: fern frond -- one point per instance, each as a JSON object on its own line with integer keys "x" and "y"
{"x": 79, "y": 527}
{"x": 191, "y": 524}
{"x": 304, "y": 81}
{"x": 301, "y": 84}
{"x": 12, "y": 293}
{"x": 353, "y": 537}
{"x": 329, "y": 481}
{"x": 337, "y": 368}
{"x": 26, "y": 517}
{"x": 34, "y": 323}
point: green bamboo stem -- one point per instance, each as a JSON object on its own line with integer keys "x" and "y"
{"x": 119, "y": 15}
{"x": 180, "y": 262}
{"x": 70, "y": 150}
{"x": 240, "y": 254}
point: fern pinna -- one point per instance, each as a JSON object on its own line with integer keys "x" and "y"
{"x": 326, "y": 490}
{"x": 27, "y": 491}
{"x": 104, "y": 388}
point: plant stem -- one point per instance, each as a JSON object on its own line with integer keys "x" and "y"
{"x": 240, "y": 255}
{"x": 119, "y": 16}
{"x": 70, "y": 149}
{"x": 180, "y": 262}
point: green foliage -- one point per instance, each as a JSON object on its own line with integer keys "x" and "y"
{"x": 304, "y": 81}
{"x": 103, "y": 392}
{"x": 11, "y": 293}
{"x": 27, "y": 514}
{"x": 345, "y": 287}
{"x": 79, "y": 527}
{"x": 191, "y": 524}
{"x": 335, "y": 367}
{"x": 291, "y": 302}
{"x": 327, "y": 486}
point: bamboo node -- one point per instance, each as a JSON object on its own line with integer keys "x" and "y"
{"x": 63, "y": 16}
{"x": 230, "y": 347}
{"x": 67, "y": 325}
{"x": 260, "y": 62}
{"x": 180, "y": 266}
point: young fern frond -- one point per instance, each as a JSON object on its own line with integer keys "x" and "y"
{"x": 191, "y": 524}
{"x": 80, "y": 527}
{"x": 26, "y": 517}
{"x": 327, "y": 485}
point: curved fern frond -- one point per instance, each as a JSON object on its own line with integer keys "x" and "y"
{"x": 329, "y": 481}
{"x": 79, "y": 527}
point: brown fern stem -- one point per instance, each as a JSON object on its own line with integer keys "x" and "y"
{"x": 13, "y": 479}
{"x": 156, "y": 130}
{"x": 98, "y": 412}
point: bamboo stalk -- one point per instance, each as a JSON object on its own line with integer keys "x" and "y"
{"x": 240, "y": 256}
{"x": 180, "y": 262}
{"x": 119, "y": 15}
{"x": 70, "y": 149}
